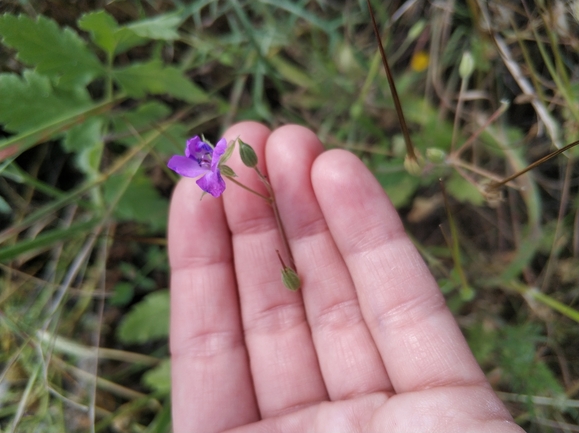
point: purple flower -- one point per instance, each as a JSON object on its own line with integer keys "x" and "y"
{"x": 201, "y": 160}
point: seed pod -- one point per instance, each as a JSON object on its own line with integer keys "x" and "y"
{"x": 289, "y": 276}
{"x": 290, "y": 279}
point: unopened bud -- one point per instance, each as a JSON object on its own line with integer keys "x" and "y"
{"x": 435, "y": 155}
{"x": 248, "y": 156}
{"x": 466, "y": 66}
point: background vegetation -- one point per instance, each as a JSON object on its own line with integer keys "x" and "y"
{"x": 95, "y": 96}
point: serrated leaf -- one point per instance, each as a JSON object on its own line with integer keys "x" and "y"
{"x": 163, "y": 27}
{"x": 155, "y": 78}
{"x": 146, "y": 321}
{"x": 31, "y": 100}
{"x": 140, "y": 203}
{"x": 58, "y": 53}
{"x": 159, "y": 378}
{"x": 107, "y": 34}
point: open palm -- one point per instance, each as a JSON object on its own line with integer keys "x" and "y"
{"x": 366, "y": 345}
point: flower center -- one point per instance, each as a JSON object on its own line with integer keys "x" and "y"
{"x": 204, "y": 159}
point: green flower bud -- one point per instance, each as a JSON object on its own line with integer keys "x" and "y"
{"x": 466, "y": 66}
{"x": 248, "y": 156}
{"x": 290, "y": 279}
{"x": 356, "y": 110}
{"x": 435, "y": 155}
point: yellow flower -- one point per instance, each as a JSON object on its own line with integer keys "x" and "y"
{"x": 419, "y": 61}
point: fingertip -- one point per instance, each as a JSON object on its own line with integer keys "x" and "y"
{"x": 290, "y": 152}
{"x": 248, "y": 130}
{"x": 342, "y": 170}
{"x": 290, "y": 137}
{"x": 349, "y": 195}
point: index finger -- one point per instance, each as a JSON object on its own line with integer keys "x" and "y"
{"x": 210, "y": 366}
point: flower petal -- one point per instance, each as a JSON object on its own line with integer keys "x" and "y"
{"x": 197, "y": 147}
{"x": 186, "y": 166}
{"x": 212, "y": 183}
{"x": 219, "y": 150}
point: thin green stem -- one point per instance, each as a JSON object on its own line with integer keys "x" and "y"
{"x": 267, "y": 199}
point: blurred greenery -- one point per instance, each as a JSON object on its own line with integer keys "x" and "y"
{"x": 95, "y": 97}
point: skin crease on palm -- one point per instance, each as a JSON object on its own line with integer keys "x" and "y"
{"x": 367, "y": 344}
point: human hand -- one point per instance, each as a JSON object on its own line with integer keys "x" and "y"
{"x": 366, "y": 345}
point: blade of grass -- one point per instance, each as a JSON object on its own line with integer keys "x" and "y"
{"x": 535, "y": 294}
{"x": 46, "y": 240}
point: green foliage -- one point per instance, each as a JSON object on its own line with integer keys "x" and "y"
{"x": 141, "y": 202}
{"x": 516, "y": 348}
{"x": 163, "y": 27}
{"x": 153, "y": 77}
{"x": 462, "y": 190}
{"x": 159, "y": 378}
{"x": 148, "y": 320}
{"x": 58, "y": 53}
{"x": 38, "y": 101}
{"x": 107, "y": 34}
{"x": 523, "y": 369}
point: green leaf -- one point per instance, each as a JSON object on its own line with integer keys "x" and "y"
{"x": 106, "y": 33}
{"x": 162, "y": 27}
{"x": 146, "y": 321}
{"x": 482, "y": 342}
{"x": 30, "y": 100}
{"x": 464, "y": 191}
{"x": 172, "y": 140}
{"x": 140, "y": 119}
{"x": 155, "y": 78}
{"x": 159, "y": 378}
{"x": 523, "y": 369}
{"x": 58, "y": 53}
{"x": 122, "y": 294}
{"x": 84, "y": 135}
{"x": 87, "y": 142}
{"x": 141, "y": 202}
